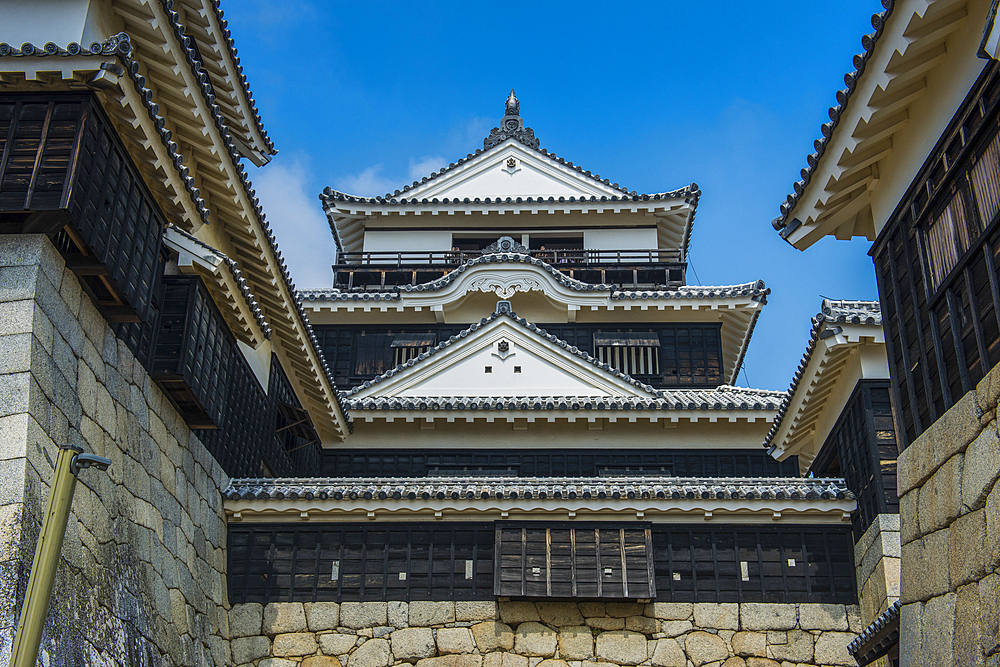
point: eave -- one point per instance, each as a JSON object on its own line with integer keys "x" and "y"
{"x": 765, "y": 500}
{"x": 835, "y": 194}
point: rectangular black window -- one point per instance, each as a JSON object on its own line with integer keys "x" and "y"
{"x": 455, "y": 561}
{"x": 538, "y": 560}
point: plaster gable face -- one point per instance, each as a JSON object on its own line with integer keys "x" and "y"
{"x": 503, "y": 359}
{"x": 510, "y": 170}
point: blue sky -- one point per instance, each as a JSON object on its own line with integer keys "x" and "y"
{"x": 366, "y": 97}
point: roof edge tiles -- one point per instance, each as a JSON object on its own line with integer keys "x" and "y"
{"x": 868, "y": 42}
{"x": 867, "y": 313}
{"x": 234, "y": 270}
{"x": 475, "y": 487}
{"x": 723, "y": 397}
{"x": 878, "y": 638}
{"x": 120, "y": 45}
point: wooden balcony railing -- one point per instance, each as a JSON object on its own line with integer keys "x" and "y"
{"x": 627, "y": 268}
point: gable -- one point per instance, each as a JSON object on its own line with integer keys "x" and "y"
{"x": 520, "y": 362}
{"x": 512, "y": 170}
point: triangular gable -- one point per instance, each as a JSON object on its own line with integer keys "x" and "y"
{"x": 511, "y": 169}
{"x": 503, "y": 356}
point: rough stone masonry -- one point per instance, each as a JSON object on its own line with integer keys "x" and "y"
{"x": 141, "y": 580}
{"x": 541, "y": 634}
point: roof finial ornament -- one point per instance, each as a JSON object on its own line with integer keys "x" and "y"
{"x": 513, "y": 107}
{"x": 511, "y": 126}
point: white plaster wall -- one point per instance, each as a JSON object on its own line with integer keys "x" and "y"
{"x": 410, "y": 241}
{"x": 619, "y": 239}
{"x": 41, "y": 21}
{"x": 259, "y": 361}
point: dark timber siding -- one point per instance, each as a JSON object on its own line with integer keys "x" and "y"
{"x": 455, "y": 561}
{"x": 861, "y": 448}
{"x": 555, "y": 463}
{"x": 936, "y": 262}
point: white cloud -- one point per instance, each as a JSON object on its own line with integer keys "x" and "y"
{"x": 297, "y": 219}
{"x": 369, "y": 183}
{"x": 425, "y": 166}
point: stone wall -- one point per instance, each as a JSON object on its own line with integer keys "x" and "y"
{"x": 950, "y": 533}
{"x": 876, "y": 557}
{"x": 543, "y": 634}
{"x": 141, "y": 580}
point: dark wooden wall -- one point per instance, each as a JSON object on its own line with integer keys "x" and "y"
{"x": 936, "y": 262}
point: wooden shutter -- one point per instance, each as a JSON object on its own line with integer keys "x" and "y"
{"x": 558, "y": 560}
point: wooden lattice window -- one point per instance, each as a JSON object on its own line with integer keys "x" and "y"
{"x": 539, "y": 560}
{"x": 631, "y": 352}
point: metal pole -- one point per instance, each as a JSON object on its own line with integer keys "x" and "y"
{"x": 69, "y": 462}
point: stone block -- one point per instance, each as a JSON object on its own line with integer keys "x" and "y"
{"x": 455, "y": 661}
{"x": 425, "y": 614}
{"x": 762, "y": 662}
{"x": 675, "y": 628}
{"x": 822, "y": 617}
{"x": 322, "y": 615}
{"x": 294, "y": 644}
{"x": 673, "y": 611}
{"x": 552, "y": 662}
{"x": 764, "y": 616}
{"x": 703, "y": 648}
{"x": 622, "y": 646}
{"x": 966, "y": 647}
{"x": 475, "y": 610}
{"x": 723, "y": 616}
{"x": 939, "y": 630}
{"x": 492, "y": 636}
{"x": 398, "y": 614}
{"x": 320, "y": 661}
{"x": 941, "y": 496}
{"x": 248, "y": 649}
{"x": 276, "y": 662}
{"x": 605, "y": 623}
{"x": 967, "y": 548}
{"x": 738, "y": 662}
{"x": 949, "y": 435}
{"x": 797, "y": 647}
{"x": 668, "y": 653}
{"x": 989, "y": 614}
{"x": 911, "y": 635}
{"x": 559, "y": 614}
{"x": 831, "y": 649}
{"x": 454, "y": 640}
{"x": 749, "y": 643}
{"x": 334, "y": 643}
{"x": 513, "y": 660}
{"x": 373, "y": 653}
{"x": 993, "y": 529}
{"x": 513, "y": 613}
{"x": 643, "y": 624}
{"x": 356, "y": 615}
{"x": 535, "y": 639}
{"x": 412, "y": 643}
{"x": 591, "y": 609}
{"x": 925, "y": 568}
{"x": 988, "y": 390}
{"x": 981, "y": 468}
{"x": 624, "y": 609}
{"x": 576, "y": 643}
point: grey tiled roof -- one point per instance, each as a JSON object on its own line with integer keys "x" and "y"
{"x": 243, "y": 78}
{"x": 234, "y": 269}
{"x": 121, "y": 46}
{"x": 885, "y": 628}
{"x": 843, "y": 97}
{"x": 479, "y": 487}
{"x": 842, "y": 312}
{"x": 755, "y": 290}
{"x": 720, "y": 398}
